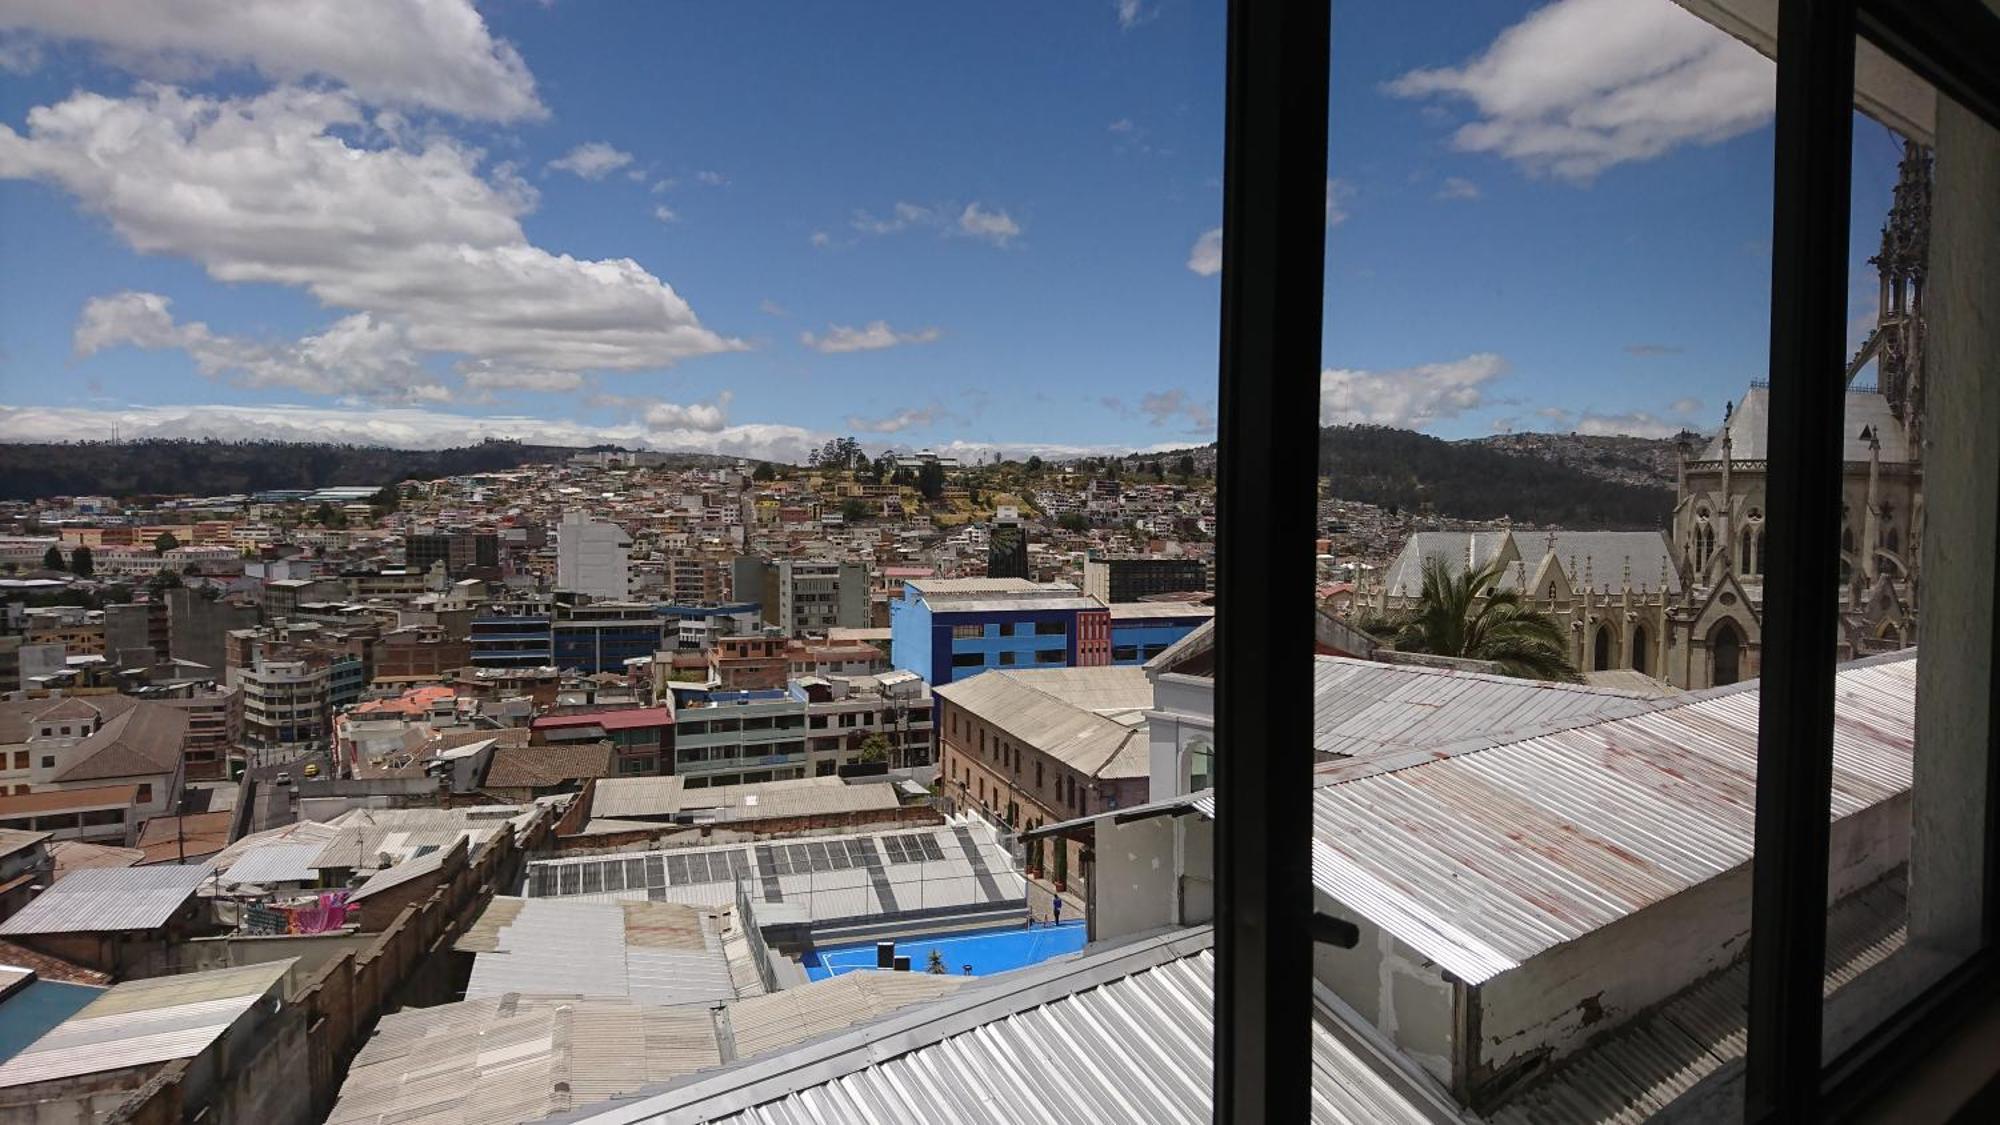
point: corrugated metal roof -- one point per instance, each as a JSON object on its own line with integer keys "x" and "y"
{"x": 654, "y": 953}
{"x": 1072, "y": 714}
{"x": 1603, "y": 556}
{"x": 145, "y": 1021}
{"x": 626, "y": 797}
{"x": 276, "y": 863}
{"x": 1482, "y": 857}
{"x": 404, "y": 872}
{"x": 1362, "y": 708}
{"x": 1122, "y": 1034}
{"x": 109, "y": 898}
{"x": 767, "y": 1023}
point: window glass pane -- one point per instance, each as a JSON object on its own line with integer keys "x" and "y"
{"x": 1918, "y": 499}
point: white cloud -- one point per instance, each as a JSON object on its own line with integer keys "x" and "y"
{"x": 484, "y": 376}
{"x": 821, "y": 239}
{"x": 873, "y": 337}
{"x": 772, "y": 308}
{"x": 592, "y": 160}
{"x": 1458, "y": 187}
{"x": 1582, "y": 85}
{"x": 357, "y": 356}
{"x": 894, "y": 423}
{"x": 666, "y": 214}
{"x": 996, "y": 227}
{"x": 1205, "y": 258}
{"x": 1409, "y": 397}
{"x": 1337, "y": 193}
{"x": 263, "y": 190}
{"x": 705, "y": 417}
{"x": 1637, "y": 423}
{"x": 429, "y": 54}
{"x": 406, "y": 428}
{"x": 1122, "y": 125}
{"x": 712, "y": 179}
{"x": 1132, "y": 13}
{"x": 974, "y": 221}
{"x": 1685, "y": 406}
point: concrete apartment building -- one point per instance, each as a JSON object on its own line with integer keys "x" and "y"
{"x": 815, "y": 595}
{"x": 460, "y": 550}
{"x": 946, "y": 629}
{"x": 593, "y": 557}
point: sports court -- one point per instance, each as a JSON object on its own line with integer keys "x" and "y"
{"x": 986, "y": 951}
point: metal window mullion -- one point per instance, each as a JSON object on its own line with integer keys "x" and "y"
{"x": 1815, "y": 97}
{"x": 1273, "y": 263}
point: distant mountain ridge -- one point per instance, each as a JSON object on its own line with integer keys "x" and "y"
{"x": 215, "y": 468}
{"x": 1572, "y": 481}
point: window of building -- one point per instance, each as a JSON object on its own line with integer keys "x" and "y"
{"x": 968, "y": 660}
{"x": 48, "y": 761}
{"x": 967, "y": 632}
{"x": 20, "y": 759}
{"x": 1008, "y": 658}
{"x": 1051, "y": 628}
{"x": 1038, "y": 776}
{"x": 1006, "y": 628}
{"x": 1051, "y": 656}
{"x": 1125, "y": 654}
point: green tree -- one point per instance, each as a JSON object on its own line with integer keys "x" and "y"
{"x": 874, "y": 748}
{"x": 1185, "y": 466}
{"x": 80, "y": 563}
{"x": 164, "y": 542}
{"x": 854, "y": 510}
{"x": 1073, "y": 521}
{"x": 930, "y": 481}
{"x": 52, "y": 559}
{"x": 324, "y": 514}
{"x": 387, "y": 500}
{"x": 1034, "y": 464}
{"x": 936, "y": 966}
{"x": 764, "y": 471}
{"x": 1467, "y": 615}
{"x": 163, "y": 580}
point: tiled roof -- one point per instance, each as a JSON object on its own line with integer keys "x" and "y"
{"x": 144, "y": 740}
{"x": 534, "y": 767}
{"x": 58, "y": 800}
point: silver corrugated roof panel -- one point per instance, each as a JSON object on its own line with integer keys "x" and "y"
{"x": 147, "y": 1021}
{"x": 1482, "y": 857}
{"x": 109, "y": 898}
{"x": 654, "y": 953}
{"x": 1071, "y": 714}
{"x": 1123, "y": 1034}
{"x": 276, "y": 863}
{"x": 1362, "y": 708}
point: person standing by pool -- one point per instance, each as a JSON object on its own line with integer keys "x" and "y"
{"x": 1057, "y": 920}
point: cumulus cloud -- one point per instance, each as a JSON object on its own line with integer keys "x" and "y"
{"x": 1205, "y": 257}
{"x": 712, "y": 179}
{"x": 1409, "y": 397}
{"x": 996, "y": 227}
{"x": 357, "y": 356}
{"x": 666, "y": 214}
{"x": 1582, "y": 85}
{"x": 485, "y": 376}
{"x": 1686, "y": 406}
{"x": 973, "y": 221}
{"x": 1458, "y": 187}
{"x": 1637, "y": 423}
{"x": 264, "y": 189}
{"x": 428, "y": 54}
{"x": 592, "y": 160}
{"x": 875, "y": 336}
{"x": 895, "y": 423}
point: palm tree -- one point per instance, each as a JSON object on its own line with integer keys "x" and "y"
{"x": 1467, "y": 615}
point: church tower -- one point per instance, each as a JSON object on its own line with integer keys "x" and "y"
{"x": 1897, "y": 343}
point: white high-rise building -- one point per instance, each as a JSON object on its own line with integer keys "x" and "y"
{"x": 591, "y": 558}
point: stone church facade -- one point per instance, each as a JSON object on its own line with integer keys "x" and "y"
{"x": 1686, "y": 606}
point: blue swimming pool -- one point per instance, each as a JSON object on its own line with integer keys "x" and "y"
{"x": 986, "y": 951}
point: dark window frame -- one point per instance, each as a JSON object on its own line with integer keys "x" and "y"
{"x": 1275, "y": 151}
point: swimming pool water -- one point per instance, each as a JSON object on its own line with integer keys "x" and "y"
{"x": 987, "y": 951}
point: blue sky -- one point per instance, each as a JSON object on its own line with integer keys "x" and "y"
{"x": 745, "y": 227}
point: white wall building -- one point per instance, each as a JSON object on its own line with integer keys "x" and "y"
{"x": 592, "y": 557}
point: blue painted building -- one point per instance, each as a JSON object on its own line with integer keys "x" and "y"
{"x": 513, "y": 641}
{"x": 602, "y": 636}
{"x": 946, "y": 629}
{"x": 1142, "y": 630}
